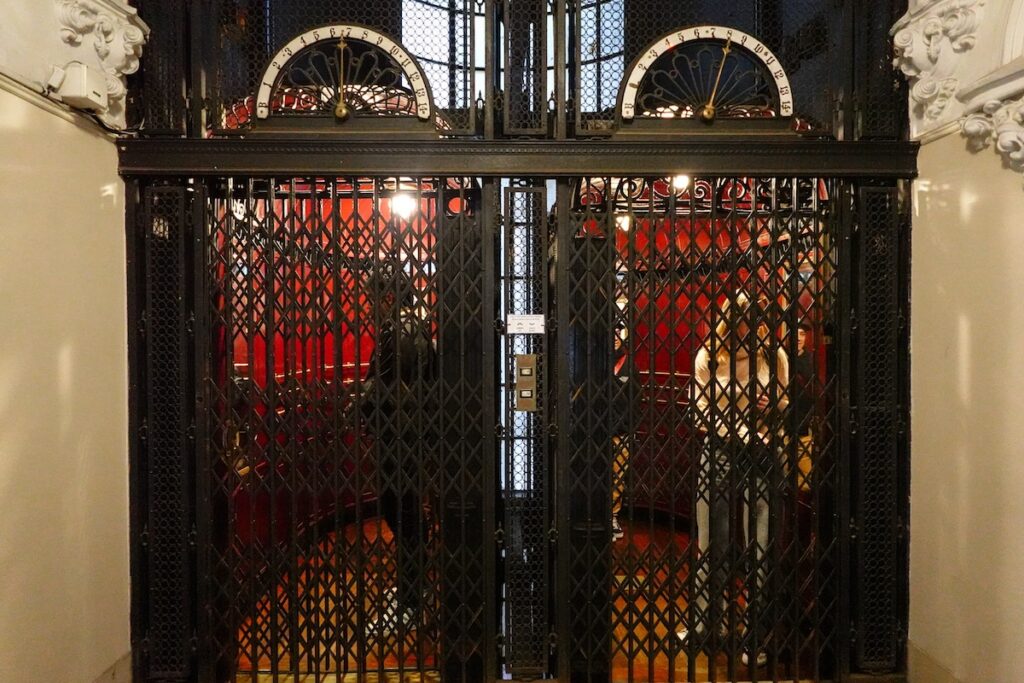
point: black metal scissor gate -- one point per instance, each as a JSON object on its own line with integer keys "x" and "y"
{"x": 456, "y": 427}
{"x": 518, "y": 339}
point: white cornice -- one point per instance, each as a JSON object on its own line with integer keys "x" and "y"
{"x": 966, "y": 70}
{"x": 1000, "y": 123}
{"x": 1005, "y": 82}
{"x": 929, "y": 41}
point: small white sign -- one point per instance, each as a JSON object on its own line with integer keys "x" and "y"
{"x": 525, "y": 324}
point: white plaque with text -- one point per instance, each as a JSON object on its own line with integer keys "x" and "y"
{"x": 525, "y": 324}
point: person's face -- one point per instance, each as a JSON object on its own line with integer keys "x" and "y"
{"x": 801, "y": 340}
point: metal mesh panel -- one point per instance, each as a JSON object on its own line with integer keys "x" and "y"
{"x": 610, "y": 34}
{"x": 878, "y": 500}
{"x": 443, "y": 36}
{"x": 166, "y": 431}
{"x": 230, "y": 43}
{"x": 350, "y": 458}
{"x": 164, "y": 78}
{"x": 526, "y": 84}
{"x": 525, "y": 478}
{"x": 347, "y": 451}
{"x": 882, "y": 104}
{"x": 649, "y": 268}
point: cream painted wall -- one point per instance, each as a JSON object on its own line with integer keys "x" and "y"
{"x": 64, "y": 581}
{"x": 967, "y": 519}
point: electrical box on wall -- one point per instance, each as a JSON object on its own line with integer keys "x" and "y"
{"x": 81, "y": 87}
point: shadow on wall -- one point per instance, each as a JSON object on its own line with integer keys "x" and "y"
{"x": 63, "y": 400}
{"x": 968, "y": 383}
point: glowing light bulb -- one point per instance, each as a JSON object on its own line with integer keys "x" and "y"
{"x": 623, "y": 221}
{"x": 403, "y": 206}
{"x": 681, "y": 182}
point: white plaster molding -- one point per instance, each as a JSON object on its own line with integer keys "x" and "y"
{"x": 929, "y": 41}
{"x": 116, "y": 34}
{"x": 995, "y": 113}
{"x": 1000, "y": 122}
{"x": 1004, "y": 83}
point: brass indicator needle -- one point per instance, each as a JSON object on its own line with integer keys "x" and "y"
{"x": 707, "y": 113}
{"x": 342, "y": 110}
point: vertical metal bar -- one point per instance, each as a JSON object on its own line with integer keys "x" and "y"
{"x": 273, "y": 452}
{"x": 846, "y": 328}
{"x": 291, "y": 390}
{"x": 492, "y": 49}
{"x": 365, "y": 289}
{"x": 876, "y": 495}
{"x": 560, "y": 395}
{"x": 506, "y": 61}
{"x": 199, "y": 23}
{"x": 575, "y": 57}
{"x": 561, "y": 115}
{"x": 488, "y": 228}
{"x": 169, "y": 563}
{"x": 338, "y": 406}
{"x": 204, "y": 465}
{"x": 843, "y": 79}
{"x": 696, "y": 448}
{"x": 137, "y": 392}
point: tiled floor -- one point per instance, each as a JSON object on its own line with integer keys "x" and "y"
{"x": 640, "y": 627}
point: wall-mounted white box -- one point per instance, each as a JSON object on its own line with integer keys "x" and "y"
{"x": 84, "y": 87}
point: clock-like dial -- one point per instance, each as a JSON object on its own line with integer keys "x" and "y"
{"x": 343, "y": 68}
{"x": 707, "y": 72}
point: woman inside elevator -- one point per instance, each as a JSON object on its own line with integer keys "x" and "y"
{"x": 740, "y": 380}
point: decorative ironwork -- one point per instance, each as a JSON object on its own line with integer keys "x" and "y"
{"x": 332, "y": 66}
{"x": 345, "y": 483}
{"x": 648, "y": 520}
{"x": 368, "y": 501}
{"x": 707, "y": 72}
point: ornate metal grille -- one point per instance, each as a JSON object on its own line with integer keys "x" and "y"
{"x": 879, "y": 421}
{"x": 358, "y": 423}
{"x": 526, "y": 478}
{"x": 164, "y": 431}
{"x": 653, "y": 264}
{"x": 610, "y": 34}
{"x": 347, "y": 489}
{"x": 339, "y": 471}
{"x": 504, "y": 67}
{"x": 445, "y": 37}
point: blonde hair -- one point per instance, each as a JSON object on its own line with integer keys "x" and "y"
{"x": 722, "y": 329}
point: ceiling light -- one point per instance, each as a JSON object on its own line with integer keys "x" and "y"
{"x": 403, "y": 206}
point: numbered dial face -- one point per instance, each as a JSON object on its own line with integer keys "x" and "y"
{"x": 707, "y": 72}
{"x": 371, "y": 70}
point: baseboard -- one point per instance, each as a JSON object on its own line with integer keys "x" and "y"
{"x": 118, "y": 672}
{"x": 924, "y": 668}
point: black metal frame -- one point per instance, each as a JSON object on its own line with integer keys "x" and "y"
{"x": 169, "y": 173}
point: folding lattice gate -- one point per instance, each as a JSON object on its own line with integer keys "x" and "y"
{"x": 417, "y": 404}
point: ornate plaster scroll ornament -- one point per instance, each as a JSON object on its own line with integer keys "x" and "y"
{"x": 115, "y": 38}
{"x": 1001, "y": 122}
{"x": 76, "y": 19}
{"x": 928, "y": 42}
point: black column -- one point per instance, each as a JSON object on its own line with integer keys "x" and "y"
{"x": 162, "y": 438}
